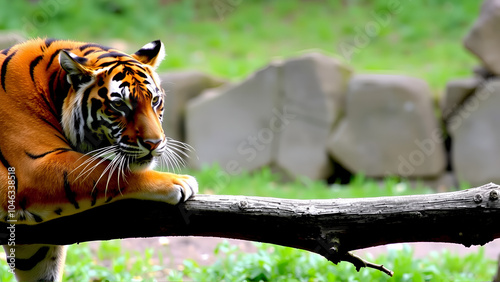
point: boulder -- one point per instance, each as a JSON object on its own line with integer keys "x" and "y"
{"x": 233, "y": 125}
{"x": 314, "y": 87}
{"x": 9, "y": 38}
{"x": 280, "y": 116}
{"x": 483, "y": 39}
{"x": 475, "y": 133}
{"x": 389, "y": 128}
{"x": 456, "y": 92}
{"x": 179, "y": 87}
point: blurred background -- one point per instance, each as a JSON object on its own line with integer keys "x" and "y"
{"x": 302, "y": 99}
{"x": 233, "y": 38}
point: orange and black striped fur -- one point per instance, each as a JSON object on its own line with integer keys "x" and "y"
{"x": 80, "y": 126}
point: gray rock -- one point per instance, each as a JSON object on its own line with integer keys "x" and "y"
{"x": 280, "y": 116}
{"x": 314, "y": 89}
{"x": 483, "y": 39}
{"x": 9, "y": 38}
{"x": 233, "y": 125}
{"x": 389, "y": 129}
{"x": 456, "y": 92}
{"x": 180, "y": 87}
{"x": 475, "y": 132}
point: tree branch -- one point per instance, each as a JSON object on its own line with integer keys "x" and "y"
{"x": 331, "y": 228}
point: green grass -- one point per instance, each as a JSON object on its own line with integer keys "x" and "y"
{"x": 270, "y": 263}
{"x": 111, "y": 262}
{"x": 417, "y": 38}
{"x": 265, "y": 183}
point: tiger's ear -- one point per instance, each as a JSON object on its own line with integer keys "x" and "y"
{"x": 75, "y": 67}
{"x": 151, "y": 54}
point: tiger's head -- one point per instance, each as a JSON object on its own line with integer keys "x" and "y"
{"x": 114, "y": 108}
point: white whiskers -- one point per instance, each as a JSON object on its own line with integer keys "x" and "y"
{"x": 174, "y": 155}
{"x": 117, "y": 162}
{"x": 101, "y": 154}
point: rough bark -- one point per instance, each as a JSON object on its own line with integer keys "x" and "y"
{"x": 331, "y": 228}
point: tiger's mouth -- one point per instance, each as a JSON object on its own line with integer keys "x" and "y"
{"x": 139, "y": 162}
{"x": 144, "y": 160}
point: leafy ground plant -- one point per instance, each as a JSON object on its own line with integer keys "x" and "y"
{"x": 110, "y": 262}
{"x": 274, "y": 263}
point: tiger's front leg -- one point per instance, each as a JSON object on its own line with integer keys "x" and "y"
{"x": 60, "y": 184}
{"x": 64, "y": 183}
{"x": 161, "y": 186}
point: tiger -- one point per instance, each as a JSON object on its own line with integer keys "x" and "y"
{"x": 80, "y": 127}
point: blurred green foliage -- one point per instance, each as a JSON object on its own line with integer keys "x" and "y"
{"x": 265, "y": 183}
{"x": 233, "y": 38}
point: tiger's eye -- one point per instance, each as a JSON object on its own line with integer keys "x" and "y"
{"x": 117, "y": 104}
{"x": 155, "y": 100}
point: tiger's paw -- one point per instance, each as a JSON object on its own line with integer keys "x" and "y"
{"x": 186, "y": 187}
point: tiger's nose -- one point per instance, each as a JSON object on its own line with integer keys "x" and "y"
{"x": 150, "y": 144}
